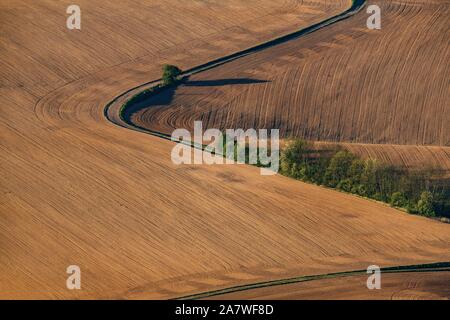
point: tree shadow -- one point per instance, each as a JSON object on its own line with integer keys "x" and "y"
{"x": 165, "y": 96}
{"x": 222, "y": 82}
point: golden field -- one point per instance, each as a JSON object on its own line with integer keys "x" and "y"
{"x": 77, "y": 189}
{"x": 343, "y": 83}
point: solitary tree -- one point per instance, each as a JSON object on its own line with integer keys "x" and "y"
{"x": 170, "y": 74}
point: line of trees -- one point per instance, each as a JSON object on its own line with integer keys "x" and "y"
{"x": 416, "y": 191}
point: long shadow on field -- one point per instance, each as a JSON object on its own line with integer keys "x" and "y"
{"x": 165, "y": 97}
{"x": 222, "y": 82}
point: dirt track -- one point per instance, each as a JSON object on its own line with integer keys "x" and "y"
{"x": 76, "y": 189}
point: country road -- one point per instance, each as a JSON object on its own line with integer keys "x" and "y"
{"x": 78, "y": 189}
{"x": 115, "y": 113}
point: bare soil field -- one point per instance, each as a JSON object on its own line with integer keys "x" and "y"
{"x": 406, "y": 156}
{"x": 76, "y": 189}
{"x": 343, "y": 83}
{"x": 401, "y": 286}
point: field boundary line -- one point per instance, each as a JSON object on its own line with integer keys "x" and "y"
{"x": 429, "y": 267}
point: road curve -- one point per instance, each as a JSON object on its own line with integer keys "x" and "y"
{"x": 114, "y": 112}
{"x": 78, "y": 189}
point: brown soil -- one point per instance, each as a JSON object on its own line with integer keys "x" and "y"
{"x": 343, "y": 83}
{"x": 401, "y": 286}
{"x": 76, "y": 189}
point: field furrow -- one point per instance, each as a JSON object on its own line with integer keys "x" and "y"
{"x": 75, "y": 189}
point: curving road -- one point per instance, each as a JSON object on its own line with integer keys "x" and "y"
{"x": 119, "y": 116}
{"x": 77, "y": 189}
{"x": 115, "y": 112}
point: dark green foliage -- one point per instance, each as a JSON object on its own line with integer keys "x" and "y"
{"x": 411, "y": 208}
{"x": 356, "y": 171}
{"x": 425, "y": 204}
{"x": 234, "y": 155}
{"x": 170, "y": 74}
{"x": 314, "y": 170}
{"x": 441, "y": 198}
{"x": 368, "y": 178}
{"x": 398, "y": 199}
{"x": 345, "y": 185}
{"x": 360, "y": 189}
{"x": 416, "y": 191}
{"x": 294, "y": 154}
{"x": 299, "y": 160}
{"x": 378, "y": 196}
{"x": 339, "y": 168}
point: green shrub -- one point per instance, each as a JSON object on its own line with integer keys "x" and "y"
{"x": 345, "y": 185}
{"x": 368, "y": 178}
{"x": 170, "y": 74}
{"x": 356, "y": 171}
{"x": 411, "y": 208}
{"x": 398, "y": 199}
{"x": 378, "y": 196}
{"x": 338, "y": 168}
{"x": 314, "y": 171}
{"x": 294, "y": 153}
{"x": 425, "y": 204}
{"x": 360, "y": 190}
{"x": 295, "y": 171}
{"x": 387, "y": 178}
